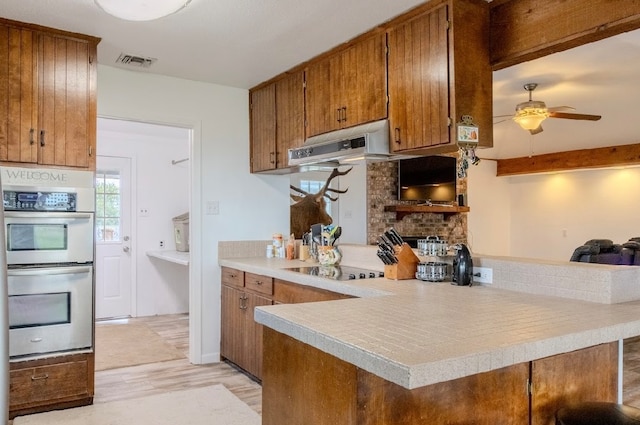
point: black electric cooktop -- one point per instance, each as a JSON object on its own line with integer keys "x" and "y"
{"x": 337, "y": 272}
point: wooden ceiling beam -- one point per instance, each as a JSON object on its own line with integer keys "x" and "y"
{"x": 523, "y": 30}
{"x": 612, "y": 156}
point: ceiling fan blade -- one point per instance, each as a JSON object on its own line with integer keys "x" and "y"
{"x": 498, "y": 122}
{"x": 561, "y": 108}
{"x": 572, "y": 116}
{"x": 536, "y": 130}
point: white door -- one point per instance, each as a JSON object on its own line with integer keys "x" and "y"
{"x": 113, "y": 237}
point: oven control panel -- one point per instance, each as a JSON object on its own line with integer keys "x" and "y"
{"x": 39, "y": 201}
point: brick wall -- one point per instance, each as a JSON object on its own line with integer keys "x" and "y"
{"x": 382, "y": 189}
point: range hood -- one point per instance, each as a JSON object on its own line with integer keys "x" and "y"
{"x": 367, "y": 141}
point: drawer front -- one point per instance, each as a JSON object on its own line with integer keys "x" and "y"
{"x": 47, "y": 384}
{"x": 232, "y": 277}
{"x": 292, "y": 293}
{"x": 258, "y": 283}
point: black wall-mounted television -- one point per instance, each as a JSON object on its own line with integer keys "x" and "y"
{"x": 427, "y": 179}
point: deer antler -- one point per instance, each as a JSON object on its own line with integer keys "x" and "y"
{"x": 297, "y": 189}
{"x": 335, "y": 173}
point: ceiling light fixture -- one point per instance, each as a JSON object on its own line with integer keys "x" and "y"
{"x": 529, "y": 115}
{"x": 141, "y": 10}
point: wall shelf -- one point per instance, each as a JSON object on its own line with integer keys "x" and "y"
{"x": 402, "y": 210}
{"x": 171, "y": 256}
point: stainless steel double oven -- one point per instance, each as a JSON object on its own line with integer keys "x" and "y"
{"x": 49, "y": 230}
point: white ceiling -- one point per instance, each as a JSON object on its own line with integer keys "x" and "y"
{"x": 241, "y": 43}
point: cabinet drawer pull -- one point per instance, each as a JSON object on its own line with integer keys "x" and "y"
{"x": 258, "y": 282}
{"x": 31, "y": 139}
{"x": 40, "y": 377}
{"x": 42, "y": 138}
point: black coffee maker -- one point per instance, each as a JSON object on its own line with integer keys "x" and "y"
{"x": 462, "y": 266}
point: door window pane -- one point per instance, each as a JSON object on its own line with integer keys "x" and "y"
{"x": 108, "y": 211}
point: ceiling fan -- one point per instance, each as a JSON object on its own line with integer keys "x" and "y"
{"x": 529, "y": 115}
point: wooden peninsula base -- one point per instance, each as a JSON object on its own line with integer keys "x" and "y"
{"x": 303, "y": 385}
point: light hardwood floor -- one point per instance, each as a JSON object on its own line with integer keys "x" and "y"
{"x": 174, "y": 375}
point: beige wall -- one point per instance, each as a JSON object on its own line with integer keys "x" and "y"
{"x": 547, "y": 216}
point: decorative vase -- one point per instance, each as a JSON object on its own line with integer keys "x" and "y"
{"x": 329, "y": 255}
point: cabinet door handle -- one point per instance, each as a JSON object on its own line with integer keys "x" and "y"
{"x": 40, "y": 377}
{"x": 273, "y": 157}
{"x": 338, "y": 115}
{"x": 344, "y": 113}
{"x": 243, "y": 302}
{"x": 42, "y": 138}
{"x": 397, "y": 135}
{"x": 31, "y": 139}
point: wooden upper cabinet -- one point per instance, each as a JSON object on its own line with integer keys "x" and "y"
{"x": 347, "y": 88}
{"x": 289, "y": 116}
{"x": 49, "y": 114}
{"x": 439, "y": 71}
{"x": 418, "y": 81}
{"x": 277, "y": 122}
{"x": 262, "y": 112}
{"x": 67, "y": 130}
{"x": 19, "y": 105}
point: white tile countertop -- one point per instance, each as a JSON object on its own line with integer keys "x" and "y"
{"x": 416, "y": 333}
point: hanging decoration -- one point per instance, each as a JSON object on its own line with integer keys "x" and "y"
{"x": 467, "y": 138}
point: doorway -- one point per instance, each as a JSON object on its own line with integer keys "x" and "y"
{"x": 137, "y": 162}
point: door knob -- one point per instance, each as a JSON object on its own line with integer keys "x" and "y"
{"x": 126, "y": 238}
{"x": 125, "y": 248}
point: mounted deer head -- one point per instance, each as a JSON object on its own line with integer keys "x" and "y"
{"x": 309, "y": 208}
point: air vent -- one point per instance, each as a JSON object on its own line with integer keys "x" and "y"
{"x": 135, "y": 61}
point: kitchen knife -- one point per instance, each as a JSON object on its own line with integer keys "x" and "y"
{"x": 396, "y": 236}
{"x": 386, "y": 236}
{"x": 382, "y": 257}
{"x": 391, "y": 257}
{"x": 384, "y": 246}
{"x": 387, "y": 241}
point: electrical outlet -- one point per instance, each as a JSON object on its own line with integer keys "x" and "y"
{"x": 482, "y": 275}
{"x": 161, "y": 244}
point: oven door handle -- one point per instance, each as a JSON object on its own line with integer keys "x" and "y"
{"x": 41, "y": 215}
{"x": 47, "y": 271}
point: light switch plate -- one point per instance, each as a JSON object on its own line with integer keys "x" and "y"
{"x": 213, "y": 208}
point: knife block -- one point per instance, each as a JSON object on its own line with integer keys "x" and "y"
{"x": 407, "y": 264}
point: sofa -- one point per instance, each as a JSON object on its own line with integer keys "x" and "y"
{"x": 604, "y": 251}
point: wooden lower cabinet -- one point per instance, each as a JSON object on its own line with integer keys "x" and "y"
{"x": 50, "y": 384}
{"x": 241, "y": 336}
{"x": 303, "y": 385}
{"x": 241, "y": 340}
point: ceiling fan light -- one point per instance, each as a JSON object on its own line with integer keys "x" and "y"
{"x": 141, "y": 10}
{"x": 531, "y": 118}
{"x": 530, "y": 122}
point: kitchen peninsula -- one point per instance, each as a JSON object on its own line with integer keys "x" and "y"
{"x": 412, "y": 352}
